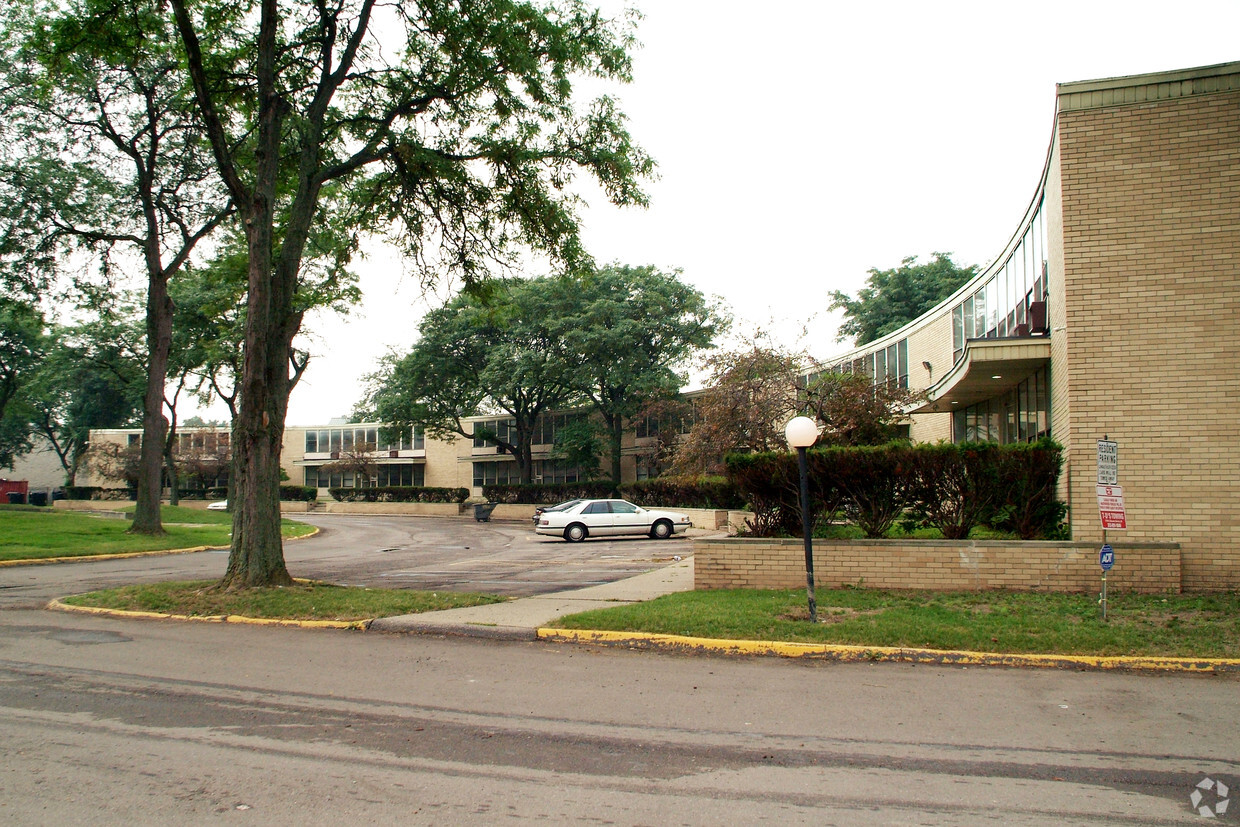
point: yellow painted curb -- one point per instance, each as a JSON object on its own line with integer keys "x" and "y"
{"x": 82, "y": 558}
{"x": 60, "y": 606}
{"x": 843, "y": 653}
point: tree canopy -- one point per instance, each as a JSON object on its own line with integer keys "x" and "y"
{"x": 625, "y": 332}
{"x": 479, "y": 356}
{"x": 893, "y": 298}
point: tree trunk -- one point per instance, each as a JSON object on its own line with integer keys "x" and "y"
{"x": 154, "y": 426}
{"x": 256, "y": 558}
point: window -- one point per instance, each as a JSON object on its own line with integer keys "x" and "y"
{"x": 1019, "y": 415}
{"x": 597, "y": 508}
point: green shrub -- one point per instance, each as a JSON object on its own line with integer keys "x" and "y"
{"x": 954, "y": 487}
{"x": 399, "y": 494}
{"x": 299, "y": 493}
{"x": 684, "y": 492}
{"x": 549, "y": 494}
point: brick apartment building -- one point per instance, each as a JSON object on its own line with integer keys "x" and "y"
{"x": 1113, "y": 310}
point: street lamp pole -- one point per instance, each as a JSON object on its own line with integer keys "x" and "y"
{"x": 801, "y": 433}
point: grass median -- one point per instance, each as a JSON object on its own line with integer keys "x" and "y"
{"x": 1193, "y": 626}
{"x": 28, "y": 533}
{"x": 301, "y": 601}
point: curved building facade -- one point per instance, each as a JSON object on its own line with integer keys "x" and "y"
{"x": 1113, "y": 311}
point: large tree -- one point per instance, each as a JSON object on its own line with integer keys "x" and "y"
{"x": 106, "y": 162}
{"x": 893, "y": 298}
{"x": 626, "y": 331}
{"x": 455, "y": 123}
{"x": 92, "y": 376}
{"x": 495, "y": 355}
{"x": 23, "y": 346}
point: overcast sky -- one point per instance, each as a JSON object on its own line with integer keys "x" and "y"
{"x": 802, "y": 143}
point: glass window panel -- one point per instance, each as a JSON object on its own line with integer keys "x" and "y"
{"x": 312, "y": 443}
{"x": 880, "y": 366}
{"x": 335, "y": 443}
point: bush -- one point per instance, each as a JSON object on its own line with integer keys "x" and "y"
{"x": 874, "y": 484}
{"x": 1028, "y": 477}
{"x": 399, "y": 494}
{"x": 299, "y": 493}
{"x": 95, "y": 492}
{"x": 549, "y": 494}
{"x": 770, "y": 483}
{"x": 955, "y": 487}
{"x": 684, "y": 492}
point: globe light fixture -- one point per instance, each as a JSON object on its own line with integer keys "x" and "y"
{"x": 802, "y": 432}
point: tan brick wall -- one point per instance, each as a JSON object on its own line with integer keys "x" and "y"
{"x": 1151, "y": 304}
{"x": 741, "y": 563}
{"x": 931, "y": 343}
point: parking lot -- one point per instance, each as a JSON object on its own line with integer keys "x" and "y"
{"x": 463, "y": 555}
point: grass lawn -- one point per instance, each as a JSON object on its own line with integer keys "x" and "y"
{"x": 303, "y": 601}
{"x": 30, "y": 533}
{"x": 1008, "y": 622}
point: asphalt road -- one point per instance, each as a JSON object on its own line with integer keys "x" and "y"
{"x": 391, "y": 552}
{"x": 126, "y": 722}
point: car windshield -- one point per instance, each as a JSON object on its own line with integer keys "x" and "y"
{"x": 562, "y": 506}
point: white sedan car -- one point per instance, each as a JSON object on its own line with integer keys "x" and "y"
{"x": 603, "y": 518}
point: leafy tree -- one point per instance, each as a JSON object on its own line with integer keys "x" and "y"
{"x": 358, "y": 459}
{"x": 455, "y": 124}
{"x": 92, "y": 377}
{"x": 108, "y": 163}
{"x": 893, "y": 298}
{"x": 23, "y": 345}
{"x": 751, "y": 394}
{"x": 853, "y": 410}
{"x": 625, "y": 330}
{"x": 476, "y": 357}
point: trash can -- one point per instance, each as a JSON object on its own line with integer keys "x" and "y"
{"x": 482, "y": 511}
{"x": 38, "y": 498}
{"x": 16, "y": 498}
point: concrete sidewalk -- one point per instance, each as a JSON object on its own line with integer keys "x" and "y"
{"x": 520, "y": 619}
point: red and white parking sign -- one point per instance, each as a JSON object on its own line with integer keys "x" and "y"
{"x": 1111, "y": 507}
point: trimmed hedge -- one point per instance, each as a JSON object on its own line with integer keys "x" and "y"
{"x": 549, "y": 494}
{"x": 299, "y": 493}
{"x": 399, "y": 494}
{"x": 951, "y": 487}
{"x": 684, "y": 492}
{"x": 96, "y": 492}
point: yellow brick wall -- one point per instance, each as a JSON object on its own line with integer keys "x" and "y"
{"x": 742, "y": 563}
{"x": 1151, "y": 306}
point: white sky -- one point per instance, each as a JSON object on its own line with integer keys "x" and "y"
{"x": 802, "y": 143}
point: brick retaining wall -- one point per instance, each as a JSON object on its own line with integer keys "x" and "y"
{"x": 744, "y": 563}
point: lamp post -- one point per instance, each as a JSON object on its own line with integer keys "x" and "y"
{"x": 801, "y": 432}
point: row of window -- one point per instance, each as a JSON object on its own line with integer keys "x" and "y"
{"x": 1023, "y": 414}
{"x": 1012, "y": 302}
{"x": 546, "y": 427}
{"x": 328, "y": 440}
{"x": 395, "y": 474}
{"x": 885, "y": 365}
{"x": 546, "y": 472}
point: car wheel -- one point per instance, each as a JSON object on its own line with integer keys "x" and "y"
{"x": 575, "y": 533}
{"x": 661, "y": 530}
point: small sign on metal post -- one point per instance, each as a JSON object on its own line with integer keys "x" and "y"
{"x": 1106, "y": 559}
{"x": 1108, "y": 462}
{"x": 1111, "y": 507}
